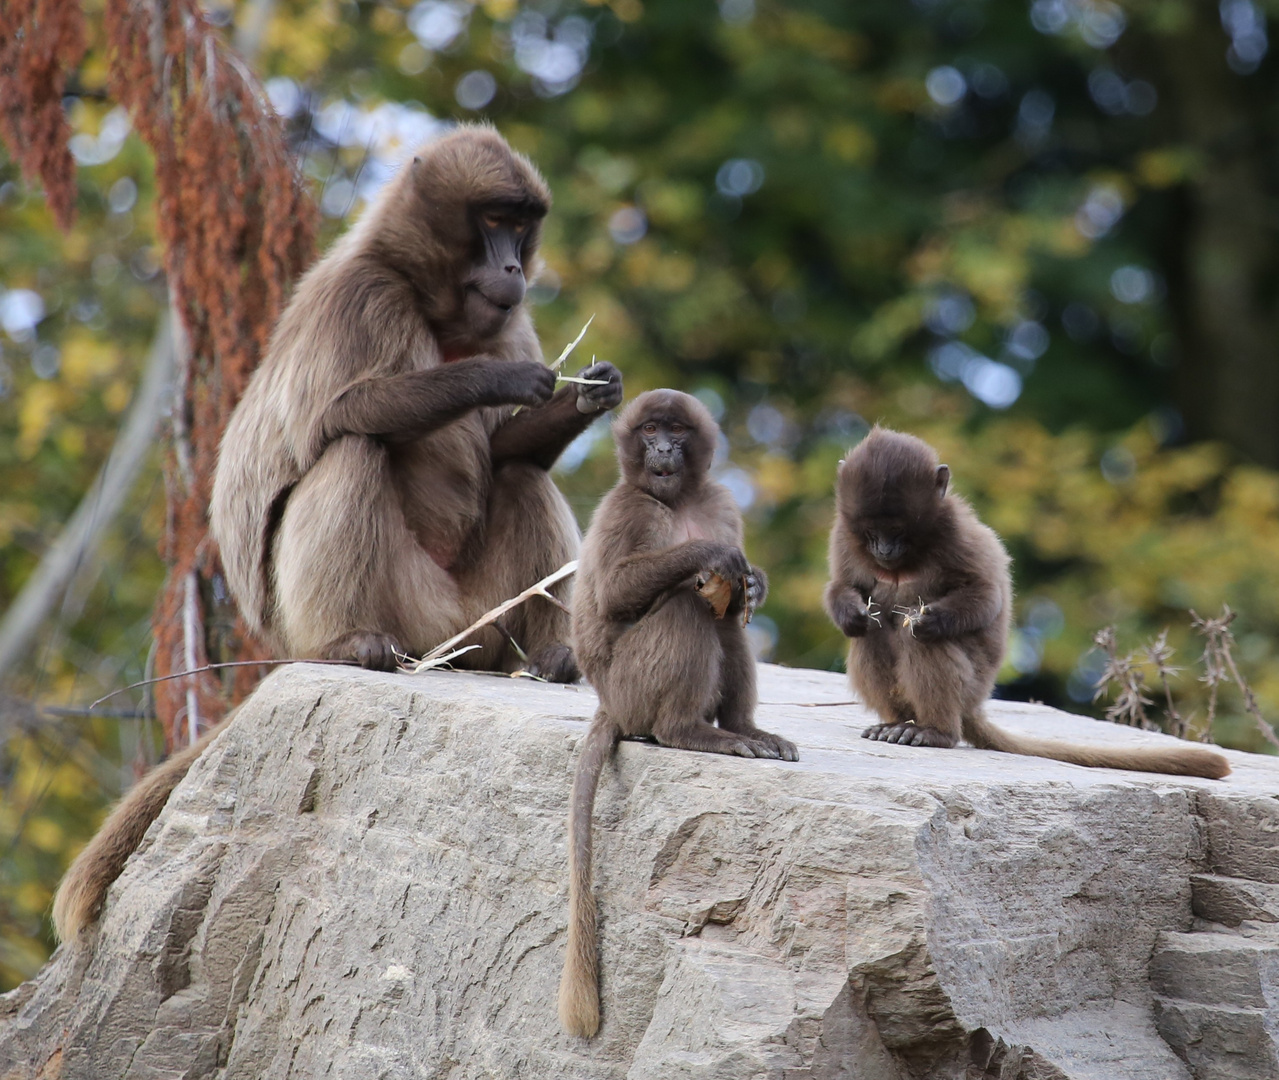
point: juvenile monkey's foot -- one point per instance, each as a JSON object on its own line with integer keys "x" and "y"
{"x": 554, "y": 663}
{"x": 368, "y": 648}
{"x": 909, "y": 735}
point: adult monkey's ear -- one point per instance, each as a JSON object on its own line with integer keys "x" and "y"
{"x": 943, "y": 480}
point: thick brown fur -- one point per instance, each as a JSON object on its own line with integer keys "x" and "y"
{"x": 375, "y": 490}
{"x": 923, "y": 590}
{"x": 83, "y": 889}
{"x": 662, "y": 664}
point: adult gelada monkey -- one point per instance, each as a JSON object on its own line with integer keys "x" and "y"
{"x": 923, "y": 590}
{"x": 374, "y": 491}
{"x": 661, "y": 661}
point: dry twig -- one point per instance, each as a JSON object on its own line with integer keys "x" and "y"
{"x": 437, "y": 655}
{"x": 1130, "y": 702}
{"x": 217, "y": 667}
{"x": 1218, "y": 659}
{"x": 1159, "y": 653}
{"x": 909, "y": 616}
{"x": 559, "y": 360}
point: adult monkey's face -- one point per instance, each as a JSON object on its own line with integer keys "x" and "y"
{"x": 495, "y": 285}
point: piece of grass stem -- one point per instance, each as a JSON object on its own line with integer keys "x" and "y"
{"x": 538, "y": 589}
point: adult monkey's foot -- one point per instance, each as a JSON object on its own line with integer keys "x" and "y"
{"x": 554, "y": 663}
{"x": 368, "y": 648}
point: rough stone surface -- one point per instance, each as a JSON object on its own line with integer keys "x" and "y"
{"x": 364, "y": 878}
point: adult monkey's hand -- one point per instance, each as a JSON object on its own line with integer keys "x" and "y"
{"x": 593, "y": 399}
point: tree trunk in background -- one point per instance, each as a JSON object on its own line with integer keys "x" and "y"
{"x": 238, "y": 227}
{"x": 1224, "y": 293}
{"x": 70, "y": 565}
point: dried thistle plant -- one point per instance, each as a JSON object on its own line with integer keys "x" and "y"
{"x": 1124, "y": 672}
{"x": 1159, "y": 655}
{"x": 1218, "y": 660}
{"x": 1126, "y": 675}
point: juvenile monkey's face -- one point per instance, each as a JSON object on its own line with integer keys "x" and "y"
{"x": 888, "y": 542}
{"x": 891, "y": 493}
{"x": 894, "y": 519}
{"x": 663, "y": 441}
{"x": 495, "y": 285}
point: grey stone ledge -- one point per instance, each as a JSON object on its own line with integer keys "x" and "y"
{"x": 364, "y": 878}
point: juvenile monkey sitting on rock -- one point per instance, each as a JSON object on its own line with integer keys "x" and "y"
{"x": 663, "y": 662}
{"x": 923, "y": 591}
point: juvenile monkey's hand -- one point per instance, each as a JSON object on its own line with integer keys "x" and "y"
{"x": 593, "y": 399}
{"x": 727, "y": 561}
{"x": 926, "y": 623}
{"x": 516, "y": 382}
{"x": 756, "y": 588}
{"x": 849, "y": 613}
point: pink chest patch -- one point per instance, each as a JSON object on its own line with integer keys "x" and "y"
{"x": 685, "y": 528}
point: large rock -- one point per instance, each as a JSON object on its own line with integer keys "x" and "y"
{"x": 364, "y": 878}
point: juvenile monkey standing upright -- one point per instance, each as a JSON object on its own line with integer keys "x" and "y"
{"x": 664, "y": 665}
{"x": 923, "y": 590}
{"x": 376, "y": 490}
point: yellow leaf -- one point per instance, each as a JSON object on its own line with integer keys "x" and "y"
{"x": 35, "y": 416}
{"x": 45, "y": 834}
{"x": 851, "y": 143}
{"x": 116, "y": 396}
{"x": 85, "y": 359}
{"x": 777, "y": 477}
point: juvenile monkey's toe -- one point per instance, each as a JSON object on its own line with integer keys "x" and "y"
{"x": 909, "y": 735}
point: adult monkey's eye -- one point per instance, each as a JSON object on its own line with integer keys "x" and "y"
{"x": 519, "y": 228}
{"x": 492, "y": 221}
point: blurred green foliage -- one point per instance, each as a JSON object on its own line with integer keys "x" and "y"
{"x": 1008, "y": 228}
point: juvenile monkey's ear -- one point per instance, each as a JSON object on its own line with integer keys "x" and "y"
{"x": 943, "y": 480}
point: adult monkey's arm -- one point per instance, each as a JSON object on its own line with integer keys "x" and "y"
{"x": 541, "y": 434}
{"x": 408, "y": 405}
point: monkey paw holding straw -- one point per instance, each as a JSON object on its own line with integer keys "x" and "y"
{"x": 718, "y": 592}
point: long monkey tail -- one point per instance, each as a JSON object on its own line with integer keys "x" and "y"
{"x": 579, "y": 1001}
{"x": 1178, "y": 761}
{"x": 83, "y": 889}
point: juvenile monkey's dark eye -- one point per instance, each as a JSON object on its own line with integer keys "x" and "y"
{"x": 677, "y": 429}
{"x": 650, "y": 429}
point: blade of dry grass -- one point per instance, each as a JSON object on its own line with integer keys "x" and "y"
{"x": 432, "y": 658}
{"x": 559, "y": 360}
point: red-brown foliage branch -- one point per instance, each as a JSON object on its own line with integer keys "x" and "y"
{"x": 238, "y": 227}
{"x": 40, "y": 41}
